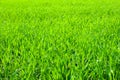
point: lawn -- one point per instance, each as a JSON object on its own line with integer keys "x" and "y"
{"x": 59, "y": 40}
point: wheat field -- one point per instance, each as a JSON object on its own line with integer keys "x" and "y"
{"x": 59, "y": 40}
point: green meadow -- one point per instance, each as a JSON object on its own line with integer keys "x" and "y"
{"x": 59, "y": 40}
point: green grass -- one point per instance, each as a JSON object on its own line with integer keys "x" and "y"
{"x": 59, "y": 40}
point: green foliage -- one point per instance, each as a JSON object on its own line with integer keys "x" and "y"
{"x": 59, "y": 40}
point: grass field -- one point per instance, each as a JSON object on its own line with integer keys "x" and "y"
{"x": 59, "y": 40}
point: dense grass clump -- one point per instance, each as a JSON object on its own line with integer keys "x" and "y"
{"x": 59, "y": 40}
